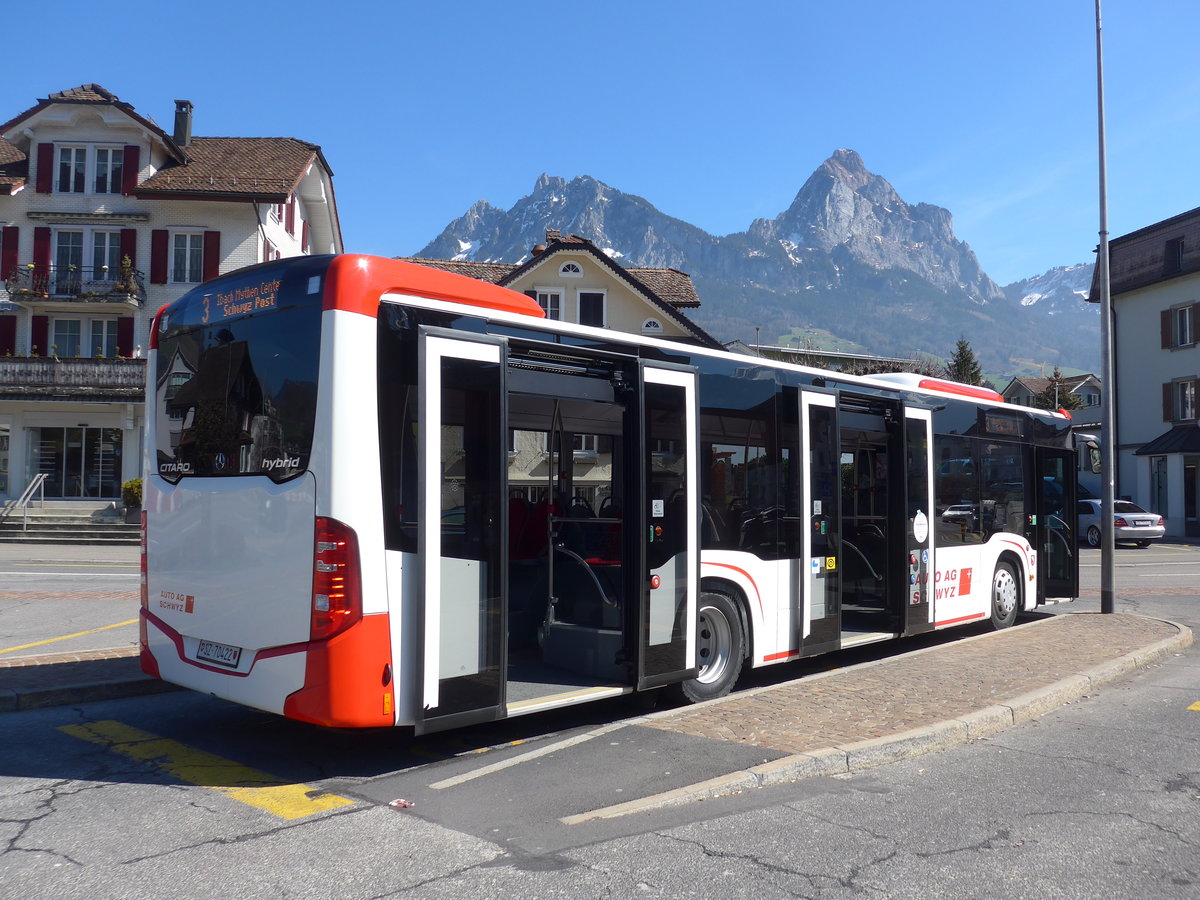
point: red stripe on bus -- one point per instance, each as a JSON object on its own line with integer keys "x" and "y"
{"x": 177, "y": 639}
{"x": 962, "y": 390}
{"x": 786, "y": 654}
{"x": 355, "y": 283}
{"x": 959, "y": 619}
{"x": 748, "y": 578}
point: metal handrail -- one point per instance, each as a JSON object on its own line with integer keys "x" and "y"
{"x": 37, "y": 486}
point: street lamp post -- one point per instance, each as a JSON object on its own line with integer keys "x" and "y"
{"x": 1108, "y": 440}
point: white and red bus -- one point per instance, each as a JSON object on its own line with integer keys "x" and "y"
{"x": 381, "y": 494}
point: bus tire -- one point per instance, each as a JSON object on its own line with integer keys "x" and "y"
{"x": 1006, "y": 595}
{"x": 720, "y": 649}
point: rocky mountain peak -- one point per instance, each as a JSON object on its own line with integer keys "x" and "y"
{"x": 848, "y": 256}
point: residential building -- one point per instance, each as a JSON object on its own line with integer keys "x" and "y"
{"x": 104, "y": 218}
{"x": 573, "y": 280}
{"x": 1155, "y": 289}
{"x": 1025, "y": 391}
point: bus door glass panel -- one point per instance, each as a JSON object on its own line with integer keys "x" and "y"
{"x": 462, "y": 547}
{"x": 1054, "y": 527}
{"x": 821, "y": 553}
{"x": 920, "y": 531}
{"x": 671, "y": 514}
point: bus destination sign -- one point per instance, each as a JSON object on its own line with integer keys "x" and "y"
{"x": 241, "y": 301}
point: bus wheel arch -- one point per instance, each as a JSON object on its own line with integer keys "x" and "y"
{"x": 721, "y": 644}
{"x": 1006, "y": 596}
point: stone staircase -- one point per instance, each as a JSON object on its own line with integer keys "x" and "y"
{"x": 68, "y": 522}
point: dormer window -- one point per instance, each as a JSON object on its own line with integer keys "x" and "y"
{"x": 571, "y": 270}
{"x": 72, "y": 169}
{"x": 110, "y": 169}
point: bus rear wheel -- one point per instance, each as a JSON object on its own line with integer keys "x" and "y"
{"x": 720, "y": 649}
{"x": 1006, "y": 595}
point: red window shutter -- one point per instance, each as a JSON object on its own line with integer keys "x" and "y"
{"x": 129, "y": 245}
{"x": 129, "y": 169}
{"x": 1168, "y": 402}
{"x": 212, "y": 255}
{"x": 1165, "y": 329}
{"x": 41, "y": 250}
{"x": 290, "y": 218}
{"x": 304, "y": 236}
{"x": 158, "y": 256}
{"x": 39, "y": 336}
{"x": 125, "y": 336}
{"x": 45, "y": 169}
{"x": 8, "y": 335}
{"x": 9, "y": 236}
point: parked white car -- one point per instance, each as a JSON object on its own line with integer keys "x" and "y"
{"x": 1131, "y": 523}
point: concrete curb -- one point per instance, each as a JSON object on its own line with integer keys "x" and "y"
{"x": 78, "y": 678}
{"x": 855, "y": 757}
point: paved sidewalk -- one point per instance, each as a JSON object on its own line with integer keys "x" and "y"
{"x": 850, "y": 719}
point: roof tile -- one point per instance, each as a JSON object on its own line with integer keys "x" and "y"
{"x": 229, "y": 165}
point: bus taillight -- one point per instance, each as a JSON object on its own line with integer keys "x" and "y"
{"x": 337, "y": 588}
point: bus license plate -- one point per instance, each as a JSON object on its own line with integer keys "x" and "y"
{"x": 221, "y": 654}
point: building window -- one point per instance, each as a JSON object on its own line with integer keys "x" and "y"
{"x": 1185, "y": 408}
{"x": 66, "y": 338}
{"x": 1173, "y": 257}
{"x": 104, "y": 338}
{"x": 110, "y": 165}
{"x": 68, "y": 260}
{"x": 1183, "y": 327}
{"x": 72, "y": 169}
{"x": 571, "y": 270}
{"x": 551, "y": 303}
{"x": 591, "y": 308}
{"x": 106, "y": 255}
{"x": 187, "y": 258}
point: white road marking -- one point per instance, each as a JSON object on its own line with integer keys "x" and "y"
{"x": 532, "y": 754}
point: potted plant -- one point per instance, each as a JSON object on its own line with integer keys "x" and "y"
{"x": 131, "y": 496}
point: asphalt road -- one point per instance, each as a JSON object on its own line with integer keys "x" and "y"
{"x": 1096, "y": 799}
{"x": 63, "y": 598}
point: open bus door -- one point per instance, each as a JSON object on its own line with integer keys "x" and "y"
{"x": 462, "y": 544}
{"x": 919, "y": 513}
{"x": 1054, "y": 523}
{"x": 670, "y": 526}
{"x": 821, "y": 521}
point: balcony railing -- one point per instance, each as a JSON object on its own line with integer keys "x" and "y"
{"x": 75, "y": 377}
{"x": 81, "y": 283}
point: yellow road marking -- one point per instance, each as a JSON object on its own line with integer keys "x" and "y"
{"x": 1195, "y": 707}
{"x": 67, "y": 637}
{"x": 241, "y": 783}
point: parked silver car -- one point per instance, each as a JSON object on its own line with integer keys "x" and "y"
{"x": 1131, "y": 523}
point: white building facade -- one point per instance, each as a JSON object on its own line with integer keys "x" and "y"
{"x": 1156, "y": 309}
{"x": 105, "y": 218}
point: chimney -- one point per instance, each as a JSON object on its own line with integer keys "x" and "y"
{"x": 538, "y": 249}
{"x": 552, "y": 235}
{"x": 183, "y": 122}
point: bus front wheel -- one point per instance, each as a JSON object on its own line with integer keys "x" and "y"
{"x": 1006, "y": 595}
{"x": 720, "y": 649}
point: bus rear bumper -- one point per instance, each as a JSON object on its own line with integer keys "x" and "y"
{"x": 344, "y": 682}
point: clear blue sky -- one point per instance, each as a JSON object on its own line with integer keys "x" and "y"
{"x": 714, "y": 112}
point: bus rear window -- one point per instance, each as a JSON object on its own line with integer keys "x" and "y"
{"x": 236, "y": 380}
